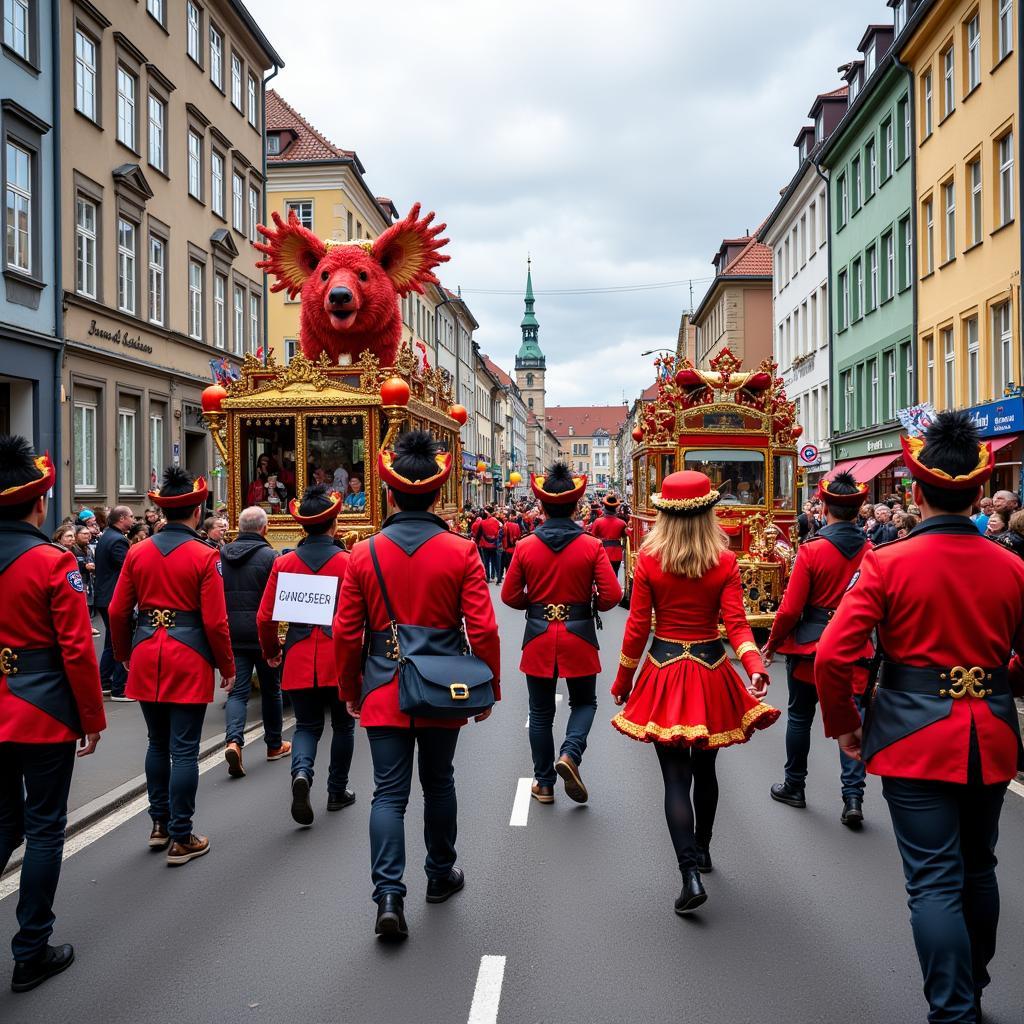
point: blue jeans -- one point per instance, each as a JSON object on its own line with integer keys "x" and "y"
{"x": 113, "y": 675}
{"x": 946, "y": 835}
{"x": 582, "y": 708}
{"x": 172, "y": 763}
{"x": 803, "y": 699}
{"x": 35, "y": 779}
{"x": 310, "y": 707}
{"x": 246, "y": 662}
{"x": 392, "y": 751}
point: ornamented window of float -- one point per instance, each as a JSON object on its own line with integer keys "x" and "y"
{"x": 268, "y": 462}
{"x": 784, "y": 478}
{"x": 652, "y": 476}
{"x": 640, "y": 478}
{"x": 668, "y": 466}
{"x": 725, "y": 421}
{"x": 336, "y": 456}
{"x": 737, "y": 474}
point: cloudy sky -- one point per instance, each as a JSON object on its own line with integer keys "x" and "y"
{"x": 616, "y": 143}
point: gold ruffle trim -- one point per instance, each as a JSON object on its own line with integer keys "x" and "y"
{"x": 705, "y": 499}
{"x": 657, "y": 733}
{"x": 628, "y": 662}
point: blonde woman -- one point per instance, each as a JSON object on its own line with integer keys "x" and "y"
{"x": 688, "y": 699}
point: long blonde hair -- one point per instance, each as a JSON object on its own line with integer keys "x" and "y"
{"x": 686, "y": 545}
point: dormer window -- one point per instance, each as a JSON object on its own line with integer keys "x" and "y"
{"x": 869, "y": 60}
{"x": 854, "y": 87}
{"x": 273, "y": 144}
{"x": 819, "y": 127}
{"x": 899, "y": 15}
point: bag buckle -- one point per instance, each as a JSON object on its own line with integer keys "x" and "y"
{"x": 459, "y": 691}
{"x": 966, "y": 683}
{"x": 556, "y": 612}
{"x": 7, "y": 660}
{"x": 161, "y": 617}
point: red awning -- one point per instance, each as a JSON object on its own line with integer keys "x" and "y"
{"x": 1002, "y": 442}
{"x": 865, "y": 470}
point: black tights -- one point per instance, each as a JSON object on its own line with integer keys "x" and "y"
{"x": 680, "y": 765}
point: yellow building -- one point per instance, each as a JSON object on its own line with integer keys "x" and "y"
{"x": 964, "y": 61}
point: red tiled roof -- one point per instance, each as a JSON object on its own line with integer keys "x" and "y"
{"x": 585, "y": 419}
{"x": 309, "y": 144}
{"x": 754, "y": 258}
{"x": 649, "y": 394}
{"x": 843, "y": 90}
{"x": 503, "y": 378}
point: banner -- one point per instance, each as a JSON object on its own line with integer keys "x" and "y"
{"x": 306, "y": 599}
{"x": 915, "y": 420}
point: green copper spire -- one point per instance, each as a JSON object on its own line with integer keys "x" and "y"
{"x": 530, "y": 354}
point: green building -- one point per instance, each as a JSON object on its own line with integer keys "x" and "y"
{"x": 868, "y": 164}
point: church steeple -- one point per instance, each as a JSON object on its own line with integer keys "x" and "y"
{"x": 529, "y": 354}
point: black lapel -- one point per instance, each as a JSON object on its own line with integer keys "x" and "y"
{"x": 846, "y": 538}
{"x": 172, "y": 536}
{"x": 17, "y": 538}
{"x": 558, "y": 534}
{"x": 316, "y": 552}
{"x": 411, "y": 530}
{"x": 951, "y": 524}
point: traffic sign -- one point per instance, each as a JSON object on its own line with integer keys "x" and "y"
{"x": 809, "y": 454}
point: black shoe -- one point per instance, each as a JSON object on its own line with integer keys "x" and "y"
{"x": 336, "y": 801}
{"x": 786, "y": 794}
{"x": 30, "y": 973}
{"x": 704, "y": 864}
{"x": 692, "y": 894}
{"x": 302, "y": 809}
{"x": 979, "y": 1019}
{"x": 853, "y": 812}
{"x": 391, "y": 917}
{"x": 439, "y": 889}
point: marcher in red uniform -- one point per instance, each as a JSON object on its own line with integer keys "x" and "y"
{"x": 824, "y": 567}
{"x": 941, "y": 726}
{"x": 50, "y": 698}
{"x": 609, "y": 529}
{"x": 310, "y": 675}
{"x": 688, "y": 699}
{"x": 558, "y": 575}
{"x": 511, "y": 534}
{"x": 174, "y": 578}
{"x": 486, "y": 532}
{"x": 433, "y": 579}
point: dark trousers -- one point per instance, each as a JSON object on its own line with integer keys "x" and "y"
{"x": 392, "y": 751}
{"x": 689, "y": 823}
{"x": 247, "y": 662}
{"x": 172, "y": 763}
{"x": 615, "y": 566}
{"x": 311, "y": 707}
{"x": 803, "y": 699}
{"x": 946, "y": 835}
{"x": 492, "y": 563}
{"x": 35, "y": 779}
{"x": 112, "y": 673}
{"x": 582, "y": 708}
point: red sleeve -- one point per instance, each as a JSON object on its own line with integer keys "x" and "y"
{"x": 863, "y": 606}
{"x": 475, "y": 528}
{"x": 74, "y": 637}
{"x": 638, "y": 630}
{"x": 609, "y": 592}
{"x": 266, "y": 628}
{"x": 215, "y": 615}
{"x": 350, "y": 623}
{"x": 734, "y": 616}
{"x": 794, "y": 599}
{"x": 478, "y": 611}
{"x": 122, "y": 607}
{"x": 513, "y": 590}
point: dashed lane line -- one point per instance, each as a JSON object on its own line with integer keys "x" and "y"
{"x": 487, "y": 994}
{"x": 558, "y": 700}
{"x": 521, "y": 804}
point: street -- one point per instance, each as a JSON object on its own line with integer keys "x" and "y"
{"x": 806, "y": 921}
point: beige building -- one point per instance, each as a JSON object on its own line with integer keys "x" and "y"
{"x": 162, "y": 187}
{"x": 585, "y": 435}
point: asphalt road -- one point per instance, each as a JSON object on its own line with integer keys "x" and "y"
{"x": 806, "y": 921}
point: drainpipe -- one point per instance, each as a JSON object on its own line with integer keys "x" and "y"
{"x": 831, "y": 299}
{"x": 912, "y": 226}
{"x": 58, "y": 275}
{"x": 263, "y": 111}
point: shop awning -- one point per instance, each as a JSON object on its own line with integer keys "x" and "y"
{"x": 1002, "y": 442}
{"x": 865, "y": 470}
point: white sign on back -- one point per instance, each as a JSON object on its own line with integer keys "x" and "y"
{"x": 306, "y": 599}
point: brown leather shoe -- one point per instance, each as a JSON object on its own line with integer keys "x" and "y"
{"x": 233, "y": 756}
{"x": 542, "y": 794}
{"x": 569, "y": 773}
{"x": 182, "y": 853}
{"x": 276, "y": 753}
{"x": 158, "y": 838}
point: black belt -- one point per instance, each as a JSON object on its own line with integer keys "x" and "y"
{"x": 382, "y": 645}
{"x": 956, "y": 682}
{"x": 560, "y": 612}
{"x": 611, "y": 543}
{"x": 169, "y": 618}
{"x": 26, "y": 660}
{"x": 709, "y": 653}
{"x": 817, "y": 616}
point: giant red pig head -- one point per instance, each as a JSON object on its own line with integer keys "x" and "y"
{"x": 350, "y": 290}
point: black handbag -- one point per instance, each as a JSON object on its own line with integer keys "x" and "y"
{"x": 437, "y": 676}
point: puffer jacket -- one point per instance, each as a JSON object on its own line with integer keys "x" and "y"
{"x": 246, "y": 563}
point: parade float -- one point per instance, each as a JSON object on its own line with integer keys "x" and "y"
{"x": 740, "y": 429}
{"x": 325, "y": 415}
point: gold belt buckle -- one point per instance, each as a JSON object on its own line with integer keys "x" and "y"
{"x": 161, "y": 617}
{"x": 7, "y": 660}
{"x": 556, "y": 612}
{"x": 966, "y": 682}
{"x": 459, "y": 691}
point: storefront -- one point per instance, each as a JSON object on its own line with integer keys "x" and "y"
{"x": 875, "y": 461}
{"x": 470, "y": 484}
{"x": 1001, "y": 422}
{"x": 812, "y": 473}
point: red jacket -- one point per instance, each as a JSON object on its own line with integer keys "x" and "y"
{"x": 174, "y": 570}
{"x": 685, "y": 609}
{"x": 559, "y": 564}
{"x": 511, "y": 535}
{"x": 609, "y": 529}
{"x": 945, "y": 596}
{"x": 44, "y": 608}
{"x": 485, "y": 532}
{"x": 309, "y": 655}
{"x": 434, "y": 578}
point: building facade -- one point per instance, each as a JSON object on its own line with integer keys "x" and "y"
{"x": 584, "y": 435}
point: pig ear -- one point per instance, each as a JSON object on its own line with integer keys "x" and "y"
{"x": 292, "y": 253}
{"x": 408, "y": 252}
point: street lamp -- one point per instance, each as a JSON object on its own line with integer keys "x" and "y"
{"x": 651, "y": 351}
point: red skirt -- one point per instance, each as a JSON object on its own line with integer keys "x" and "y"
{"x": 685, "y": 704}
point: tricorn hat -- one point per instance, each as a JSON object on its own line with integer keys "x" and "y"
{"x": 32, "y": 489}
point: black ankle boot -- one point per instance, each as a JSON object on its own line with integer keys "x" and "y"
{"x": 391, "y": 917}
{"x": 786, "y": 794}
{"x": 704, "y": 865}
{"x": 693, "y": 893}
{"x": 30, "y": 973}
{"x": 853, "y": 812}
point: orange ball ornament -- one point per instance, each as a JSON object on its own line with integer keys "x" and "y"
{"x": 481, "y": 466}
{"x": 212, "y": 398}
{"x": 394, "y": 391}
{"x": 515, "y": 479}
{"x": 638, "y": 434}
{"x": 459, "y": 414}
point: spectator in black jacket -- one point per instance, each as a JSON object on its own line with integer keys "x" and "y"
{"x": 883, "y": 531}
{"x": 246, "y": 564}
{"x": 111, "y": 549}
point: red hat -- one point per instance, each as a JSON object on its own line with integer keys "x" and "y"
{"x": 318, "y": 518}
{"x": 34, "y": 488}
{"x": 611, "y": 502}
{"x": 397, "y": 482}
{"x": 686, "y": 493}
{"x": 197, "y": 496}
{"x": 855, "y": 498}
{"x": 940, "y": 478}
{"x": 566, "y": 497}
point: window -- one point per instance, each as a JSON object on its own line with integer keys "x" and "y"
{"x": 195, "y": 165}
{"x": 254, "y": 323}
{"x": 871, "y": 280}
{"x": 217, "y": 183}
{"x": 85, "y": 446}
{"x": 194, "y": 19}
{"x": 238, "y": 336}
{"x": 157, "y": 278}
{"x": 126, "y": 107}
{"x": 254, "y": 212}
{"x": 873, "y": 393}
{"x": 907, "y": 243}
{"x": 888, "y": 149}
{"x": 125, "y": 450}
{"x": 869, "y": 61}
{"x": 854, "y": 87}
{"x": 18, "y": 204}
{"x": 855, "y": 184}
{"x": 973, "y": 53}
{"x": 1002, "y": 331}
{"x": 948, "y": 89}
{"x": 291, "y": 350}
{"x": 812, "y": 224}
{"x": 85, "y": 248}
{"x": 844, "y": 200}
{"x": 156, "y": 447}
{"x": 857, "y": 289}
{"x": 870, "y": 170}
{"x": 216, "y": 58}
{"x": 220, "y": 288}
{"x": 899, "y": 15}
{"x": 1005, "y": 19}
{"x": 85, "y": 75}
{"x": 848, "y": 398}
{"x": 844, "y": 300}
{"x": 929, "y": 236}
{"x": 236, "y": 80}
{"x": 889, "y": 255}
{"x": 977, "y": 219}
{"x": 948, "y": 355}
{"x": 1005, "y": 149}
{"x": 157, "y": 120}
{"x": 253, "y": 104}
{"x": 903, "y": 127}
{"x": 907, "y": 362}
{"x": 303, "y": 210}
{"x": 237, "y": 211}
{"x": 126, "y": 260}
{"x": 973, "y": 357}
{"x": 927, "y": 117}
{"x": 156, "y": 8}
{"x": 929, "y": 352}
{"x": 16, "y": 26}
{"x": 949, "y": 224}
{"x": 195, "y": 300}
{"x": 273, "y": 143}
{"x": 891, "y": 397}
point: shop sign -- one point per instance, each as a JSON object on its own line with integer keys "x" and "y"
{"x": 1005, "y": 416}
{"x": 119, "y": 337}
{"x": 872, "y": 446}
{"x": 468, "y": 462}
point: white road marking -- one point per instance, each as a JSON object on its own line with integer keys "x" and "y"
{"x": 487, "y": 994}
{"x": 124, "y": 813}
{"x": 521, "y": 804}
{"x": 1017, "y": 787}
{"x": 558, "y": 700}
